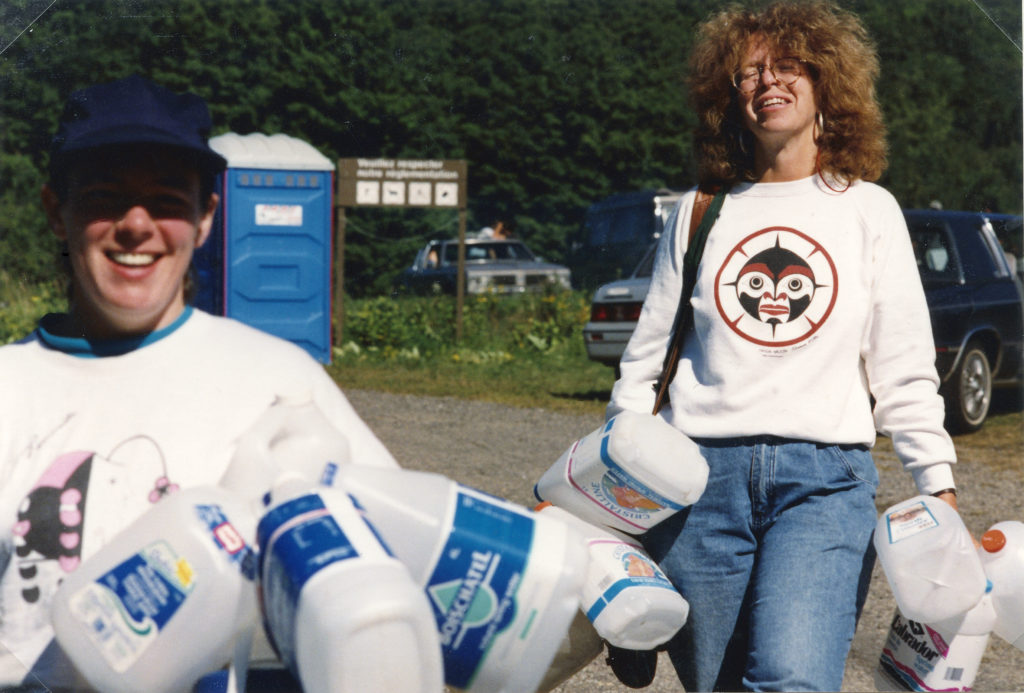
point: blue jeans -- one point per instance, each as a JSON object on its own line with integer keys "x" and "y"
{"x": 775, "y": 560}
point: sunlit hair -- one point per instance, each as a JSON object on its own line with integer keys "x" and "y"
{"x": 841, "y": 62}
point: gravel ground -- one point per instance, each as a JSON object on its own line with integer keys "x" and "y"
{"x": 504, "y": 450}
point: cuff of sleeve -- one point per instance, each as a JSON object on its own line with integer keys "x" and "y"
{"x": 933, "y": 478}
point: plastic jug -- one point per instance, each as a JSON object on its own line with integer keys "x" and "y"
{"x": 1002, "y": 557}
{"x": 127, "y": 618}
{"x": 343, "y": 614}
{"x": 503, "y": 582}
{"x": 630, "y": 474}
{"x": 944, "y": 656}
{"x": 580, "y": 646}
{"x": 929, "y": 560}
{"x": 625, "y": 595}
{"x": 293, "y": 436}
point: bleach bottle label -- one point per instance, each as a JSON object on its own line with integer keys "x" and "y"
{"x": 473, "y": 585}
{"x": 299, "y": 538}
{"x": 632, "y": 568}
{"x": 617, "y": 491}
{"x": 921, "y": 657}
{"x": 128, "y": 606}
{"x": 228, "y": 539}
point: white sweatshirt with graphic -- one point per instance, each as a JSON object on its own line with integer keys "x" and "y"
{"x": 89, "y": 442}
{"x": 807, "y": 304}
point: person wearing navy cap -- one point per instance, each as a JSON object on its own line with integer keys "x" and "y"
{"x": 136, "y": 157}
{"x": 132, "y": 393}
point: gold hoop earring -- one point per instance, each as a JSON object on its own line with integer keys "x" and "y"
{"x": 741, "y": 142}
{"x": 819, "y": 122}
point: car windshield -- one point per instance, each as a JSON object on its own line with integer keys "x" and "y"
{"x": 498, "y": 251}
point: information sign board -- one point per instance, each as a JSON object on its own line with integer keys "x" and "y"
{"x": 402, "y": 183}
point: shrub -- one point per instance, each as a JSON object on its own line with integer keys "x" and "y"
{"x": 22, "y": 303}
{"x": 494, "y": 326}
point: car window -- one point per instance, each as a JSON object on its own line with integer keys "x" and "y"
{"x": 935, "y": 260}
{"x": 488, "y": 252}
{"x": 977, "y": 253}
{"x": 1011, "y": 237}
{"x": 428, "y": 256}
{"x": 645, "y": 268}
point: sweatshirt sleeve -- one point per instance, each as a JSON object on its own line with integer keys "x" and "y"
{"x": 899, "y": 356}
{"x": 645, "y": 352}
{"x": 364, "y": 444}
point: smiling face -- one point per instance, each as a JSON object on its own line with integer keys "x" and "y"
{"x": 131, "y": 220}
{"x": 777, "y": 114}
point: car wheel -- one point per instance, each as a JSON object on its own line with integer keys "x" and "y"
{"x": 970, "y": 392}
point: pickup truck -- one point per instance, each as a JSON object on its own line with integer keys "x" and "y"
{"x": 973, "y": 289}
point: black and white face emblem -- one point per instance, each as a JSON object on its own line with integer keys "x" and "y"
{"x": 776, "y": 287}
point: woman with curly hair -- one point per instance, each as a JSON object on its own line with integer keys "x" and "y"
{"x": 807, "y": 305}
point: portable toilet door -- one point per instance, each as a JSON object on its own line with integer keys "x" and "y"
{"x": 276, "y": 237}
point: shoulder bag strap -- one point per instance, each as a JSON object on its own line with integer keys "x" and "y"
{"x": 705, "y": 211}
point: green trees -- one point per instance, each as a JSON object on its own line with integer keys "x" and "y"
{"x": 554, "y": 103}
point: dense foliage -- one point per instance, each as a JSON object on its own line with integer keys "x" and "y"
{"x": 554, "y": 103}
{"x": 494, "y": 327}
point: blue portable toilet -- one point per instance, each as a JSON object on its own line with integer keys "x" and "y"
{"x": 268, "y": 260}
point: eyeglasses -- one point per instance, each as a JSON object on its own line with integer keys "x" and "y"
{"x": 784, "y": 70}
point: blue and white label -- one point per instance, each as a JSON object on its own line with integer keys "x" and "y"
{"x": 617, "y": 491}
{"x": 297, "y": 539}
{"x": 126, "y": 607}
{"x": 626, "y": 567}
{"x": 227, "y": 538}
{"x": 473, "y": 585}
{"x": 909, "y": 521}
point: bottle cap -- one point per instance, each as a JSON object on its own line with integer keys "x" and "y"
{"x": 993, "y": 540}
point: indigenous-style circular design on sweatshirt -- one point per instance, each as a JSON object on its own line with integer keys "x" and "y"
{"x": 777, "y": 287}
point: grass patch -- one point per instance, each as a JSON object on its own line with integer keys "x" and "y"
{"x": 564, "y": 384}
{"x": 525, "y": 351}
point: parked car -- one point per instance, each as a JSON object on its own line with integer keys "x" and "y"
{"x": 615, "y": 233}
{"x": 614, "y": 312}
{"x": 973, "y": 293}
{"x": 501, "y": 266}
{"x": 974, "y": 297}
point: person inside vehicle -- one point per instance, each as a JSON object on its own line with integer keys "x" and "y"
{"x": 807, "y": 304}
{"x": 132, "y": 393}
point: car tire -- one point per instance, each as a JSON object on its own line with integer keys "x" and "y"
{"x": 969, "y": 392}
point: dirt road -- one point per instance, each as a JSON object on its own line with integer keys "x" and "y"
{"x": 504, "y": 450}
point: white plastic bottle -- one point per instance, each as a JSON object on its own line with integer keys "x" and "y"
{"x": 1002, "y": 557}
{"x": 293, "y": 436}
{"x": 343, "y": 614}
{"x": 503, "y": 582}
{"x": 630, "y": 474}
{"x": 625, "y": 595}
{"x": 127, "y": 618}
{"x": 580, "y": 646}
{"x": 929, "y": 560}
{"x": 943, "y": 656}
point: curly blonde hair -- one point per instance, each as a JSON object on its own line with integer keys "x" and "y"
{"x": 841, "y": 61}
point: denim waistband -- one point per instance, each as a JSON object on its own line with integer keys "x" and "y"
{"x": 750, "y": 441}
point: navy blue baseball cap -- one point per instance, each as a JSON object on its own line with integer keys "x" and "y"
{"x": 133, "y": 111}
